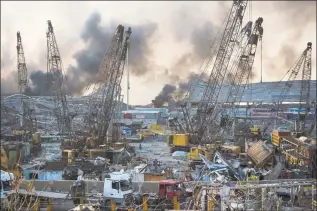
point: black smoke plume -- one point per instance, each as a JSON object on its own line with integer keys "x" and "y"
{"x": 173, "y": 95}
{"x": 164, "y": 96}
{"x": 97, "y": 39}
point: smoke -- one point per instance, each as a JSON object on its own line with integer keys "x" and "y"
{"x": 41, "y": 84}
{"x": 174, "y": 94}
{"x": 296, "y": 23}
{"x": 164, "y": 96}
{"x": 96, "y": 39}
{"x": 200, "y": 38}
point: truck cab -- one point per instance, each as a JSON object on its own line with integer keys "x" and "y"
{"x": 170, "y": 188}
{"x": 118, "y": 187}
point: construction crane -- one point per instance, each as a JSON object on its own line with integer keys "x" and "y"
{"x": 208, "y": 104}
{"x": 55, "y": 67}
{"x": 305, "y": 91}
{"x": 22, "y": 71}
{"x": 305, "y": 58}
{"x": 107, "y": 90}
{"x": 26, "y": 110}
{"x": 242, "y": 70}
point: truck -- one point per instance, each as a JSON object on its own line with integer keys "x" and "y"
{"x": 168, "y": 189}
{"x": 6, "y": 179}
{"x": 117, "y": 188}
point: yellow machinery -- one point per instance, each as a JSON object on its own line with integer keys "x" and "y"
{"x": 255, "y": 130}
{"x": 277, "y": 135}
{"x": 157, "y": 128}
{"x": 36, "y": 138}
{"x": 179, "y": 142}
{"x": 4, "y": 159}
{"x": 145, "y": 132}
{"x": 208, "y": 151}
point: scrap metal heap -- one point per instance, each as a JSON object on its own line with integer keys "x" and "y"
{"x": 106, "y": 93}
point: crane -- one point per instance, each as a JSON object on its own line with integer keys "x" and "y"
{"x": 22, "y": 70}
{"x": 244, "y": 67}
{"x": 207, "y": 105}
{"x": 107, "y": 91}
{"x": 305, "y": 91}
{"x": 27, "y": 111}
{"x": 294, "y": 70}
{"x": 55, "y": 67}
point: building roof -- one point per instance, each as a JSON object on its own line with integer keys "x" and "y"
{"x": 140, "y": 112}
{"x": 266, "y": 91}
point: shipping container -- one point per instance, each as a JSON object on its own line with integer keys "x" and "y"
{"x": 259, "y": 152}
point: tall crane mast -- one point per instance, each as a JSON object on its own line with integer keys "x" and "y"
{"x": 243, "y": 69}
{"x": 55, "y": 67}
{"x": 208, "y": 103}
{"x": 27, "y": 111}
{"x": 22, "y": 70}
{"x": 294, "y": 70}
{"x": 107, "y": 91}
{"x": 305, "y": 90}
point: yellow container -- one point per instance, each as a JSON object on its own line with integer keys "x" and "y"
{"x": 180, "y": 139}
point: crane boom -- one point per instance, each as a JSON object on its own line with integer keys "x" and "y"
{"x": 28, "y": 120}
{"x": 22, "y": 70}
{"x": 208, "y": 102}
{"x": 55, "y": 67}
{"x": 290, "y": 81}
{"x": 243, "y": 69}
{"x": 305, "y": 89}
{"x": 107, "y": 90}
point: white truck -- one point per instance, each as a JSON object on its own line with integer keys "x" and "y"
{"x": 117, "y": 187}
{"x": 6, "y": 179}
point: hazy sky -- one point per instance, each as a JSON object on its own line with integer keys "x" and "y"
{"x": 169, "y": 39}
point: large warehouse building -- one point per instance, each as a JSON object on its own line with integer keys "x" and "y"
{"x": 266, "y": 92}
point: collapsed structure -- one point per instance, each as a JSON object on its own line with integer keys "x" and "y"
{"x": 205, "y": 155}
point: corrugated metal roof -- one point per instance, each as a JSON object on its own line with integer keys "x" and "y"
{"x": 140, "y": 112}
{"x": 259, "y": 152}
{"x": 266, "y": 91}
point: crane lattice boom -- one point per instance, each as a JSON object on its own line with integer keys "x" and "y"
{"x": 22, "y": 70}
{"x": 209, "y": 100}
{"x": 107, "y": 91}
{"x": 243, "y": 70}
{"x": 55, "y": 67}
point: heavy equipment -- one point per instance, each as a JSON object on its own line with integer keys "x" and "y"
{"x": 27, "y": 119}
{"x": 55, "y": 68}
{"x": 105, "y": 98}
{"x": 304, "y": 62}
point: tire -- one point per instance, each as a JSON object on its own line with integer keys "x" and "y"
{"x": 107, "y": 205}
